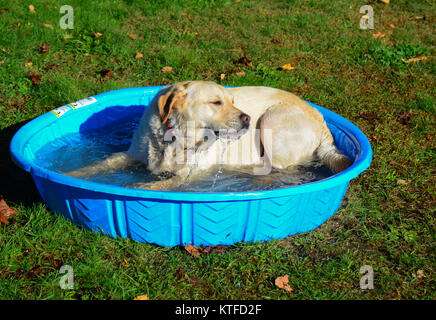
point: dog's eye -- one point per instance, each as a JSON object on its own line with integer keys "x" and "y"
{"x": 217, "y": 103}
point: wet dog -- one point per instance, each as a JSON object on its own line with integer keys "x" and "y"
{"x": 191, "y": 126}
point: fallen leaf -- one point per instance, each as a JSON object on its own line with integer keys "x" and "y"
{"x": 97, "y": 34}
{"x": 49, "y": 26}
{"x": 420, "y": 274}
{"x": 106, "y": 73}
{"x": 132, "y": 36}
{"x": 385, "y": 1}
{"x": 392, "y": 26}
{"x": 28, "y": 64}
{"x": 4, "y": 10}
{"x": 423, "y": 58}
{"x": 192, "y": 250}
{"x": 217, "y": 248}
{"x": 222, "y": 76}
{"x": 276, "y": 41}
{"x": 244, "y": 60}
{"x": 139, "y": 55}
{"x": 417, "y": 18}
{"x": 404, "y": 118}
{"x": 167, "y": 69}
{"x": 35, "y": 78}
{"x": 401, "y": 182}
{"x": 67, "y": 36}
{"x": 5, "y": 211}
{"x": 287, "y": 66}
{"x": 240, "y": 73}
{"x": 142, "y": 297}
{"x": 125, "y": 263}
{"x": 378, "y": 35}
{"x": 43, "y": 48}
{"x": 51, "y": 67}
{"x": 283, "y": 283}
{"x": 31, "y": 8}
{"x": 1, "y": 62}
{"x": 371, "y": 115}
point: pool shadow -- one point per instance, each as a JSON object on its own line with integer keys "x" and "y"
{"x": 16, "y": 185}
{"x": 111, "y": 116}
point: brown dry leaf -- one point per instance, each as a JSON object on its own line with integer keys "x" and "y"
{"x": 222, "y": 76}
{"x": 193, "y": 251}
{"x": 97, "y": 34}
{"x": 392, "y": 26}
{"x": 5, "y": 211}
{"x": 370, "y": 115}
{"x": 106, "y": 73}
{"x": 244, "y": 60}
{"x": 35, "y": 78}
{"x": 49, "y": 26}
{"x": 240, "y": 73}
{"x": 51, "y": 66}
{"x": 420, "y": 274}
{"x": 287, "y": 66}
{"x": 139, "y": 55}
{"x": 275, "y": 41}
{"x": 28, "y": 64}
{"x": 385, "y": 1}
{"x": 132, "y": 36}
{"x": 401, "y": 182}
{"x": 31, "y": 8}
{"x": 217, "y": 248}
{"x": 43, "y": 48}
{"x": 405, "y": 118}
{"x": 142, "y": 297}
{"x": 1, "y": 62}
{"x": 423, "y": 58}
{"x": 378, "y": 35}
{"x": 167, "y": 69}
{"x": 4, "y": 10}
{"x": 417, "y": 18}
{"x": 283, "y": 283}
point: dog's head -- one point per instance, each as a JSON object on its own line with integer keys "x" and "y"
{"x": 207, "y": 105}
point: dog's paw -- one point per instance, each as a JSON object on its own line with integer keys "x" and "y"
{"x": 144, "y": 185}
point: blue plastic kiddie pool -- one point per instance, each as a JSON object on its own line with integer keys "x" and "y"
{"x": 170, "y": 218}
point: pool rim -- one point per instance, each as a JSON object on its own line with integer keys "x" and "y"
{"x": 23, "y": 135}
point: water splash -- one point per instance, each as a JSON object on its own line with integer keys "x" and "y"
{"x": 220, "y": 168}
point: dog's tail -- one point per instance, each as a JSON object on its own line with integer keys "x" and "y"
{"x": 332, "y": 157}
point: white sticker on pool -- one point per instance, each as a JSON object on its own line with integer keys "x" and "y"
{"x": 60, "y": 111}
{"x": 83, "y": 102}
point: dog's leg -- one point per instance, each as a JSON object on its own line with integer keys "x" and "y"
{"x": 172, "y": 184}
{"x": 108, "y": 165}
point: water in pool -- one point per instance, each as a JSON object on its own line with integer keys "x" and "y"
{"x": 78, "y": 150}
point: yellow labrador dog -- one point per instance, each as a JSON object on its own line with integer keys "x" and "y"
{"x": 191, "y": 126}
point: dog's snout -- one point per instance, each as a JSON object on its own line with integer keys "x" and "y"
{"x": 245, "y": 118}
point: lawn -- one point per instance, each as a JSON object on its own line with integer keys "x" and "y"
{"x": 387, "y": 219}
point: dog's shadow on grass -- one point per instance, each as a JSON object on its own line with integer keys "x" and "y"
{"x": 16, "y": 185}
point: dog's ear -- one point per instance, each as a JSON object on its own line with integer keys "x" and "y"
{"x": 174, "y": 98}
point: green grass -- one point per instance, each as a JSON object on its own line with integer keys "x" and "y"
{"x": 387, "y": 226}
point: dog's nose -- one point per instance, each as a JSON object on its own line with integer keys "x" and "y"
{"x": 245, "y": 118}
